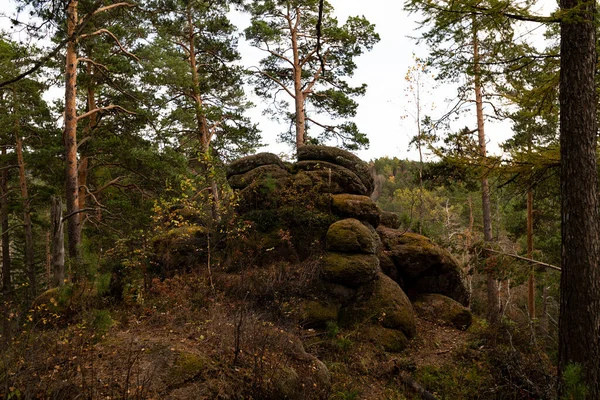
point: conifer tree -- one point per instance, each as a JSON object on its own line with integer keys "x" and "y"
{"x": 310, "y": 69}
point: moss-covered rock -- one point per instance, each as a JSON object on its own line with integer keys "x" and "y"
{"x": 270, "y": 171}
{"x": 441, "y": 309}
{"x": 356, "y": 206}
{"x": 392, "y": 340}
{"x": 340, "y": 157}
{"x": 384, "y": 303}
{"x": 350, "y": 236}
{"x": 421, "y": 266}
{"x": 331, "y": 178}
{"x": 316, "y": 314}
{"x": 181, "y": 248}
{"x": 352, "y": 270}
{"x": 245, "y": 164}
{"x": 390, "y": 220}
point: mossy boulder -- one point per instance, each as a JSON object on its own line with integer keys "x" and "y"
{"x": 390, "y": 220}
{"x": 340, "y": 157}
{"x": 441, "y": 309}
{"x": 356, "y": 206}
{"x": 384, "y": 303}
{"x": 248, "y": 163}
{"x": 270, "y": 171}
{"x": 262, "y": 194}
{"x": 420, "y": 265}
{"x": 350, "y": 236}
{"x": 327, "y": 177}
{"x": 316, "y": 314}
{"x": 391, "y": 340}
{"x": 181, "y": 248}
{"x": 351, "y": 270}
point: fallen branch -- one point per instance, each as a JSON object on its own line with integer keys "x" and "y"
{"x": 543, "y": 264}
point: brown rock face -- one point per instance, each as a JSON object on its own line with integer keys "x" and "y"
{"x": 340, "y": 157}
{"x": 439, "y": 308}
{"x": 355, "y": 206}
{"x": 421, "y": 266}
{"x": 331, "y": 178}
{"x": 248, "y": 163}
{"x": 270, "y": 171}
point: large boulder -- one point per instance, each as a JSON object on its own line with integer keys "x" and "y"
{"x": 421, "y": 266}
{"x": 352, "y": 270}
{"x": 443, "y": 310}
{"x": 362, "y": 208}
{"x": 391, "y": 340}
{"x": 248, "y": 163}
{"x": 390, "y": 220}
{"x": 340, "y": 157}
{"x": 263, "y": 172}
{"x": 383, "y": 303}
{"x": 350, "y": 236}
{"x": 327, "y": 177}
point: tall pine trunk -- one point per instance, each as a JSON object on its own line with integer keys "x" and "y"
{"x": 204, "y": 135}
{"x": 579, "y": 323}
{"x": 492, "y": 285}
{"x": 29, "y": 251}
{"x": 70, "y": 139}
{"x": 299, "y": 101}
{"x": 58, "y": 243}
{"x": 7, "y": 289}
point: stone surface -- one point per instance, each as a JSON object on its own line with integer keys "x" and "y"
{"x": 245, "y": 164}
{"x": 355, "y": 206}
{"x": 351, "y": 270}
{"x": 441, "y": 309}
{"x": 384, "y": 303}
{"x": 421, "y": 266}
{"x": 340, "y": 157}
{"x": 327, "y": 177}
{"x": 390, "y": 220}
{"x": 271, "y": 171}
{"x": 316, "y": 314}
{"x": 392, "y": 340}
{"x": 350, "y": 236}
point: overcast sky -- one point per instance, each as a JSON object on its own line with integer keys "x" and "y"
{"x": 383, "y": 69}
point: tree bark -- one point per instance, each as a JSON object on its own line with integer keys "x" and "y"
{"x": 29, "y": 252}
{"x": 58, "y": 243}
{"x": 299, "y": 100}
{"x": 7, "y": 289}
{"x": 70, "y": 138}
{"x": 492, "y": 285}
{"x": 204, "y": 134}
{"x": 531, "y": 281}
{"x": 579, "y": 323}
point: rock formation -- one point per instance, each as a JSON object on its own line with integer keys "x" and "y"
{"x": 369, "y": 270}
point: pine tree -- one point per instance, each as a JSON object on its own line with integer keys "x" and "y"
{"x": 310, "y": 69}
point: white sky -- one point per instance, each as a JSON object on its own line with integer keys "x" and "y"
{"x": 383, "y": 69}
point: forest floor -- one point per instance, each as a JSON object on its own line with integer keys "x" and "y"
{"x": 188, "y": 341}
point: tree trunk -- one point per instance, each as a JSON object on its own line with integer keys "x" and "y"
{"x": 7, "y": 289}
{"x": 492, "y": 285}
{"x": 84, "y": 163}
{"x": 29, "y": 253}
{"x": 70, "y": 137}
{"x": 204, "y": 134}
{"x": 531, "y": 282}
{"x": 579, "y": 323}
{"x": 58, "y": 243}
{"x": 298, "y": 93}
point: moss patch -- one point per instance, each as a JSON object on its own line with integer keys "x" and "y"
{"x": 350, "y": 236}
{"x": 352, "y": 270}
